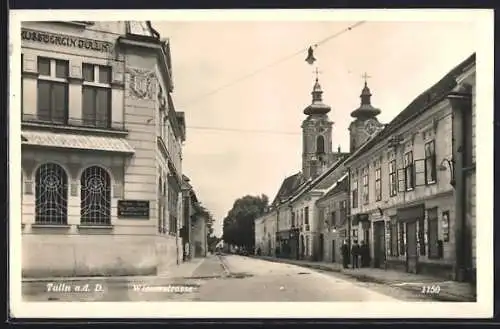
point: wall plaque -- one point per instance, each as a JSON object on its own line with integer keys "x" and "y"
{"x": 66, "y": 40}
{"x": 133, "y": 209}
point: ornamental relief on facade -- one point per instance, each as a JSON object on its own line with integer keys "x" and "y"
{"x": 142, "y": 83}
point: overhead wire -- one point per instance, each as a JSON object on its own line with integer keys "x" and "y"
{"x": 279, "y": 61}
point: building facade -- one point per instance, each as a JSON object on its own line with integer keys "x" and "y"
{"x": 402, "y": 196}
{"x": 101, "y": 150}
{"x": 333, "y": 212}
{"x": 265, "y": 233}
{"x": 463, "y": 168}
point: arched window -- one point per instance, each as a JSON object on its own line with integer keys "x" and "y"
{"x": 320, "y": 145}
{"x": 51, "y": 205}
{"x": 95, "y": 196}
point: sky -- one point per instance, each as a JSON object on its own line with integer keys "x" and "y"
{"x": 264, "y": 112}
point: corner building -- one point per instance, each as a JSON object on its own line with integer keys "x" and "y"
{"x": 101, "y": 150}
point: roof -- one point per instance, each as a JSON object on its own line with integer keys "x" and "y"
{"x": 340, "y": 186}
{"x": 314, "y": 183}
{"x": 289, "y": 186}
{"x": 423, "y": 102}
{"x": 77, "y": 141}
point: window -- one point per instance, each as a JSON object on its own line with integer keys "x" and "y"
{"x": 402, "y": 239}
{"x": 160, "y": 206}
{"x": 430, "y": 162}
{"x": 409, "y": 184}
{"x": 393, "y": 184}
{"x": 343, "y": 212}
{"x": 172, "y": 205}
{"x": 320, "y": 145}
{"x": 432, "y": 231}
{"x": 468, "y": 133}
{"x": 52, "y": 90}
{"x": 293, "y": 219}
{"x": 333, "y": 219}
{"x": 365, "y": 186}
{"x": 95, "y": 196}
{"x": 378, "y": 185}
{"x": 51, "y": 205}
{"x": 355, "y": 193}
{"x": 306, "y": 215}
{"x": 173, "y": 224}
{"x": 394, "y": 237}
{"x": 96, "y": 97}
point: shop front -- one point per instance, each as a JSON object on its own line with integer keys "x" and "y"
{"x": 414, "y": 220}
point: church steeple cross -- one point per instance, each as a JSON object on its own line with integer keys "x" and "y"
{"x": 317, "y": 73}
{"x": 365, "y": 76}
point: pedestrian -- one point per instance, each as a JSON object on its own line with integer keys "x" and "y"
{"x": 345, "y": 254}
{"x": 355, "y": 254}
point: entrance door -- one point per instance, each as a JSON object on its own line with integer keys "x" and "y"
{"x": 333, "y": 251}
{"x": 302, "y": 248}
{"x": 411, "y": 247}
{"x": 321, "y": 247}
{"x": 379, "y": 244}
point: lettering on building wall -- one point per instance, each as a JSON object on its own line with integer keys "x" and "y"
{"x": 133, "y": 209}
{"x": 66, "y": 40}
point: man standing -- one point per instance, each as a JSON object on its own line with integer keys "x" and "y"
{"x": 355, "y": 254}
{"x": 345, "y": 254}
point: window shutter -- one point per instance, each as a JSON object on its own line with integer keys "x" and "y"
{"x": 420, "y": 173}
{"x": 401, "y": 180}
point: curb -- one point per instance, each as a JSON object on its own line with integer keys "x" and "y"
{"x": 365, "y": 278}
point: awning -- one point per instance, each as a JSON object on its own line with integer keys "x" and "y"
{"x": 76, "y": 141}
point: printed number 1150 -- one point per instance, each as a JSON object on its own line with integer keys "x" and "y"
{"x": 433, "y": 289}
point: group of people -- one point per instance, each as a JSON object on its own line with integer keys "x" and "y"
{"x": 357, "y": 253}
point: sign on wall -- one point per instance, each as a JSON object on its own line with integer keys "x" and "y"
{"x": 136, "y": 209}
{"x": 66, "y": 40}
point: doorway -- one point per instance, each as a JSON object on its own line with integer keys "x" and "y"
{"x": 411, "y": 247}
{"x": 321, "y": 247}
{"x": 333, "y": 252}
{"x": 379, "y": 244}
{"x": 302, "y": 247}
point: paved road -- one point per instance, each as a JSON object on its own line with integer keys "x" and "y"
{"x": 250, "y": 279}
{"x": 261, "y": 281}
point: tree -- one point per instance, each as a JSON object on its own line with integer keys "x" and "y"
{"x": 239, "y": 224}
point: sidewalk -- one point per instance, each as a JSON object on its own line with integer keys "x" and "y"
{"x": 450, "y": 291}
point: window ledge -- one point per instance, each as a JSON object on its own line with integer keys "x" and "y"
{"x": 73, "y": 128}
{"x": 57, "y": 226}
{"x": 30, "y": 74}
{"x": 94, "y": 227}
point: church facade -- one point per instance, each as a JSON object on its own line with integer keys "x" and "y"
{"x": 101, "y": 150}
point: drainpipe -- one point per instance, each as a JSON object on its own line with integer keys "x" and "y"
{"x": 460, "y": 101}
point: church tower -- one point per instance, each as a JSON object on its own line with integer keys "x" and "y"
{"x": 366, "y": 123}
{"x": 317, "y": 135}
